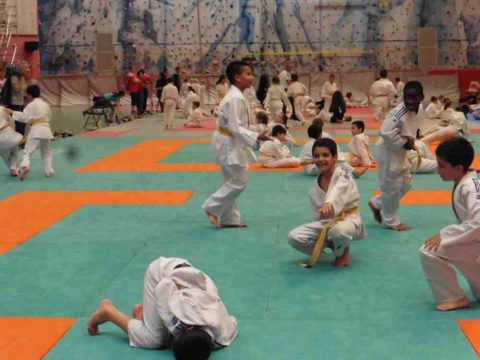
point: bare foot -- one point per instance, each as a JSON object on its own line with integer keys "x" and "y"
{"x": 137, "y": 311}
{"x": 13, "y": 172}
{"x": 401, "y": 227}
{"x": 376, "y": 212}
{"x": 454, "y": 305}
{"x": 343, "y": 260}
{"x": 241, "y": 225}
{"x": 213, "y": 219}
{"x": 359, "y": 172}
{"x": 98, "y": 317}
{"x": 24, "y": 172}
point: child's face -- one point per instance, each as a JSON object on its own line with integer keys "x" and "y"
{"x": 355, "y": 130}
{"x": 448, "y": 172}
{"x": 323, "y": 158}
{"x": 244, "y": 80}
{"x": 282, "y": 137}
{"x": 412, "y": 99}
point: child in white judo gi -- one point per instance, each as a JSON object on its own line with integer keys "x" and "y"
{"x": 359, "y": 147}
{"x": 169, "y": 99}
{"x": 196, "y": 117}
{"x": 181, "y": 309}
{"x": 38, "y": 115}
{"x": 232, "y": 144}
{"x": 397, "y": 136}
{"x": 297, "y": 91}
{"x": 333, "y": 194}
{"x": 280, "y": 120}
{"x": 382, "y": 94}
{"x": 9, "y": 140}
{"x": 433, "y": 109}
{"x": 275, "y": 153}
{"x": 458, "y": 245}
{"x": 423, "y": 164}
{"x": 276, "y": 99}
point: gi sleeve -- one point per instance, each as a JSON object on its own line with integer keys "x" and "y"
{"x": 234, "y": 112}
{"x": 390, "y": 132}
{"x": 24, "y": 116}
{"x": 344, "y": 191}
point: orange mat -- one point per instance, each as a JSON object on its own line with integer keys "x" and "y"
{"x": 31, "y": 338}
{"x": 425, "y": 197}
{"x": 25, "y": 214}
{"x": 471, "y": 329}
{"x": 147, "y": 156}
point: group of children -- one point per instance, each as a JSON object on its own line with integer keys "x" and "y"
{"x": 181, "y": 307}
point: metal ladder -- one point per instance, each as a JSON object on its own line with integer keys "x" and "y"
{"x": 7, "y": 29}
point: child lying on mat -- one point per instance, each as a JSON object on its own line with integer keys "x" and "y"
{"x": 456, "y": 245}
{"x": 333, "y": 193}
{"x": 196, "y": 117}
{"x": 181, "y": 309}
{"x": 275, "y": 153}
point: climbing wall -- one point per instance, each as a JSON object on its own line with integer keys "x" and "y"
{"x": 341, "y": 35}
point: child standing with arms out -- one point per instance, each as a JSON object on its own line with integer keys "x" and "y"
{"x": 181, "y": 309}
{"x": 334, "y": 193}
{"x": 38, "y": 114}
{"x": 397, "y": 136}
{"x": 276, "y": 154}
{"x": 359, "y": 147}
{"x": 456, "y": 245}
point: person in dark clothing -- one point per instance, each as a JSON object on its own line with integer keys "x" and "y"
{"x": 263, "y": 86}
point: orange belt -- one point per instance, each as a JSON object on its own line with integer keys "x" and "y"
{"x": 225, "y": 132}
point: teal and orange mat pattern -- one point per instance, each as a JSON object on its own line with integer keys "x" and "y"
{"x": 118, "y": 202}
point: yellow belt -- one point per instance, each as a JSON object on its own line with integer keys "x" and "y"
{"x": 38, "y": 122}
{"x": 4, "y": 126}
{"x": 225, "y": 132}
{"x": 417, "y": 156}
{"x": 317, "y": 250}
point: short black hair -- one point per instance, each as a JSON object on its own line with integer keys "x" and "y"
{"x": 169, "y": 80}
{"x": 328, "y": 143}
{"x": 294, "y": 77}
{"x": 456, "y": 151}
{"x": 359, "y": 124}
{"x": 348, "y": 94}
{"x": 194, "y": 344}
{"x": 196, "y": 104}
{"x": 383, "y": 73}
{"x": 275, "y": 80}
{"x": 235, "y": 68}
{"x": 314, "y": 131}
{"x": 397, "y": 79}
{"x": 262, "y": 118}
{"x": 278, "y": 129}
{"x": 413, "y": 84}
{"x": 319, "y": 122}
{"x": 33, "y": 91}
{"x": 433, "y": 98}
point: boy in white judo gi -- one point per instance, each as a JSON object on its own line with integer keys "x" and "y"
{"x": 328, "y": 89}
{"x": 426, "y": 163}
{"x": 397, "y": 136}
{"x": 359, "y": 146}
{"x": 297, "y": 91}
{"x": 276, "y": 99}
{"x": 169, "y": 99}
{"x": 433, "y": 109}
{"x": 280, "y": 120}
{"x": 38, "y": 115}
{"x": 9, "y": 140}
{"x": 232, "y": 144}
{"x": 382, "y": 94}
{"x": 275, "y": 153}
{"x": 334, "y": 193}
{"x": 181, "y": 309}
{"x": 458, "y": 245}
{"x": 196, "y": 117}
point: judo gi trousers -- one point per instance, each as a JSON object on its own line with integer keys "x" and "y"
{"x": 169, "y": 111}
{"x": 276, "y": 107}
{"x": 380, "y": 107}
{"x": 31, "y": 146}
{"x": 438, "y": 268}
{"x": 222, "y": 203}
{"x": 280, "y": 163}
{"x": 304, "y": 238}
{"x": 10, "y": 157}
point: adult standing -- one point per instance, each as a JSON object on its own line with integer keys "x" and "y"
{"x": 382, "y": 94}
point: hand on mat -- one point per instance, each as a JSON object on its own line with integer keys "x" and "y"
{"x": 433, "y": 243}
{"x": 326, "y": 212}
{"x": 410, "y": 144}
{"x": 263, "y": 136}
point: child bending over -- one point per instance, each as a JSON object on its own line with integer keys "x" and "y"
{"x": 333, "y": 193}
{"x": 275, "y": 153}
{"x": 181, "y": 309}
{"x": 457, "y": 245}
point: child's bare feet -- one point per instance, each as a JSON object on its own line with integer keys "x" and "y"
{"x": 359, "y": 172}
{"x": 454, "y": 305}
{"x": 99, "y": 317}
{"x": 241, "y": 225}
{"x": 376, "y": 212}
{"x": 13, "y": 172}
{"x": 24, "y": 172}
{"x": 213, "y": 219}
{"x": 401, "y": 227}
{"x": 343, "y": 260}
{"x": 137, "y": 311}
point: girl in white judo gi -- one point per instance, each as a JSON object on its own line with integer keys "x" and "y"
{"x": 275, "y": 153}
{"x": 38, "y": 114}
{"x": 232, "y": 144}
{"x": 397, "y": 136}
{"x": 181, "y": 309}
{"x": 9, "y": 140}
{"x": 457, "y": 245}
{"x": 359, "y": 146}
{"x": 334, "y": 193}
